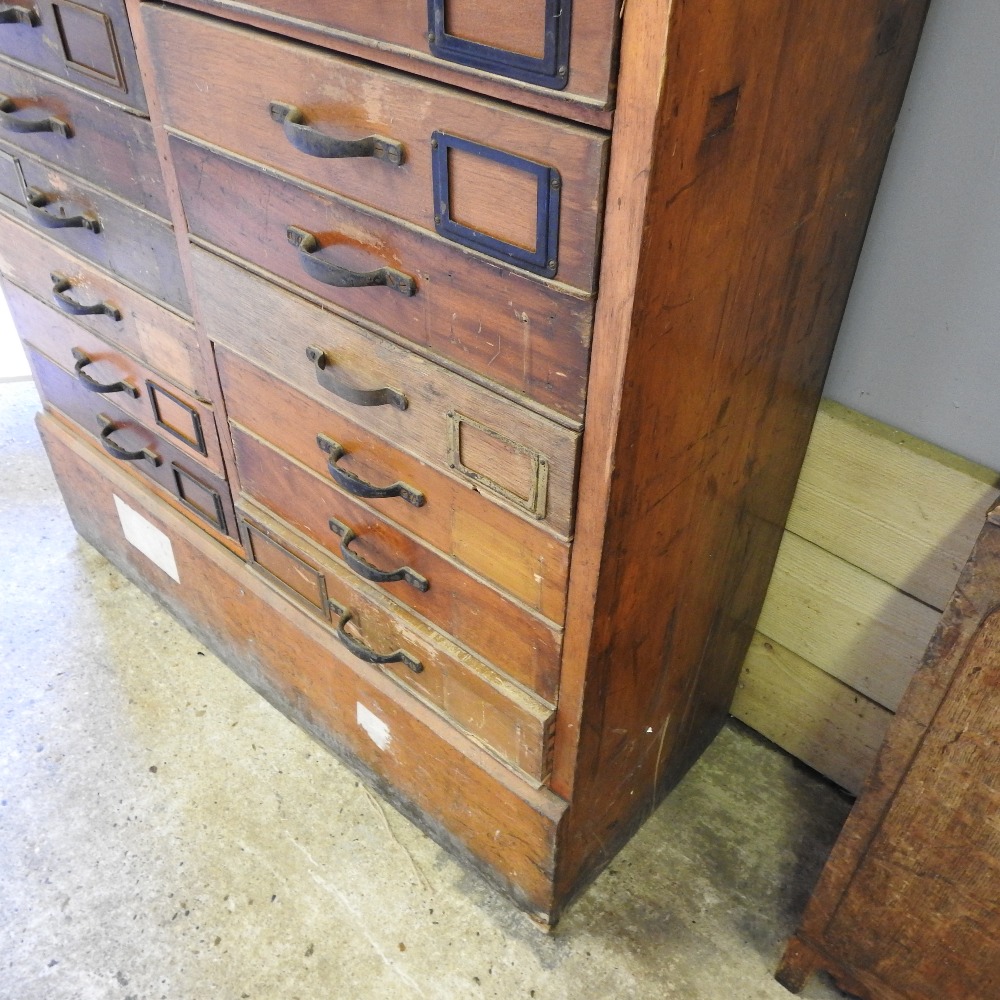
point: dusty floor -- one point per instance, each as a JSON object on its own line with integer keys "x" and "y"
{"x": 164, "y": 833}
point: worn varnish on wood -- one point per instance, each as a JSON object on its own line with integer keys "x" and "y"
{"x": 589, "y": 475}
{"x": 908, "y": 905}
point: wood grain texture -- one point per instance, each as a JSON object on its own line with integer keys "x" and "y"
{"x": 855, "y": 627}
{"x": 87, "y": 43}
{"x": 528, "y": 335}
{"x": 217, "y": 81}
{"x": 189, "y": 427}
{"x": 483, "y": 703}
{"x": 273, "y": 329}
{"x": 439, "y": 779}
{"x": 493, "y": 626}
{"x": 522, "y": 558}
{"x": 155, "y": 335}
{"x": 356, "y": 27}
{"x": 136, "y": 245}
{"x": 901, "y": 509}
{"x": 731, "y": 266}
{"x": 106, "y": 145}
{"x": 820, "y": 720}
{"x": 907, "y": 905}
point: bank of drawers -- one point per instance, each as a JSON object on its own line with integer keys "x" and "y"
{"x": 398, "y": 279}
{"x": 90, "y": 260}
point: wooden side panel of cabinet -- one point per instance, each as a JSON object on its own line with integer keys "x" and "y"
{"x": 730, "y": 261}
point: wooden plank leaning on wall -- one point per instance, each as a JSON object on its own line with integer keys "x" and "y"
{"x": 879, "y": 530}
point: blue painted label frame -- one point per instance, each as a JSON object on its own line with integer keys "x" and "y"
{"x": 551, "y": 70}
{"x": 544, "y": 260}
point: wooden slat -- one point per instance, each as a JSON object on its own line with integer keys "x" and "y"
{"x": 900, "y": 508}
{"x": 857, "y": 628}
{"x": 813, "y": 716}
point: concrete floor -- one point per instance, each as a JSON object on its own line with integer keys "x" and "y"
{"x": 164, "y": 833}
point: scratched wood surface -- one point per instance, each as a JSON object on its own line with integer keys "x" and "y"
{"x": 478, "y": 615}
{"x": 136, "y": 245}
{"x": 458, "y": 793}
{"x": 522, "y": 557}
{"x": 529, "y": 335}
{"x": 908, "y": 905}
{"x": 155, "y": 335}
{"x": 217, "y": 81}
{"x": 105, "y": 144}
{"x": 358, "y": 28}
{"x": 273, "y": 328}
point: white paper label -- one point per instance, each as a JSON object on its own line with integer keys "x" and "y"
{"x": 147, "y": 538}
{"x": 374, "y": 727}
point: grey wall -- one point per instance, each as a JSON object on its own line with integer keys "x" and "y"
{"x": 920, "y": 344}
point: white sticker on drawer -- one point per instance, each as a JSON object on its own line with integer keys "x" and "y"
{"x": 374, "y": 727}
{"x": 147, "y": 538}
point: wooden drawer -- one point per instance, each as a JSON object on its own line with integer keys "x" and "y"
{"x": 202, "y": 495}
{"x": 441, "y": 779}
{"x": 511, "y": 454}
{"x": 84, "y": 134}
{"x": 138, "y": 246}
{"x": 188, "y": 423}
{"x": 564, "y": 49}
{"x": 526, "y": 334}
{"x": 88, "y": 42}
{"x": 155, "y": 335}
{"x": 375, "y": 631}
{"x": 522, "y": 558}
{"x": 480, "y": 617}
{"x": 519, "y": 187}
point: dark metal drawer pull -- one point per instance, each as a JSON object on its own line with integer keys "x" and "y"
{"x": 357, "y": 486}
{"x": 91, "y": 384}
{"x": 108, "y": 427}
{"x": 366, "y": 570}
{"x": 10, "y": 123}
{"x": 37, "y": 201}
{"x": 309, "y": 140}
{"x": 61, "y": 285}
{"x": 343, "y": 277}
{"x": 12, "y": 13}
{"x": 360, "y": 397}
{"x": 366, "y": 653}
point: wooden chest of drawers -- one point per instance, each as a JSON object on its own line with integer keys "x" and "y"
{"x": 501, "y": 329}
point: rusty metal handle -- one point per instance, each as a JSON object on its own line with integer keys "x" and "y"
{"x": 37, "y": 201}
{"x": 366, "y": 570}
{"x": 343, "y": 277}
{"x": 108, "y": 427}
{"x": 91, "y": 384}
{"x": 9, "y": 121}
{"x": 309, "y": 140}
{"x": 61, "y": 285}
{"x": 363, "y": 651}
{"x": 359, "y": 487}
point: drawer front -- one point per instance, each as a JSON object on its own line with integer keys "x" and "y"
{"x": 156, "y": 336}
{"x": 564, "y": 47}
{"x": 522, "y": 558}
{"x": 516, "y": 330}
{"x": 202, "y": 495}
{"x": 136, "y": 245}
{"x": 82, "y": 134}
{"x": 519, "y": 187}
{"x": 87, "y": 42}
{"x": 186, "y": 422}
{"x": 498, "y": 714}
{"x": 515, "y": 456}
{"x": 489, "y": 623}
